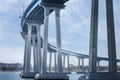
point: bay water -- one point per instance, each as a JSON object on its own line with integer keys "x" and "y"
{"x": 16, "y": 76}
{"x": 11, "y": 76}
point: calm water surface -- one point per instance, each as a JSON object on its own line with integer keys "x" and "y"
{"x": 15, "y": 76}
{"x": 11, "y": 76}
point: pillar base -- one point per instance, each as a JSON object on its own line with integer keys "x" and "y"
{"x": 52, "y": 76}
{"x": 28, "y": 75}
{"x": 104, "y": 76}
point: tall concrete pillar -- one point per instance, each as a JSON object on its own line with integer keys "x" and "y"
{"x": 82, "y": 64}
{"x": 34, "y": 54}
{"x": 45, "y": 41}
{"x": 50, "y": 62}
{"x": 55, "y": 64}
{"x": 68, "y": 63}
{"x": 58, "y": 36}
{"x": 111, "y": 36}
{"x": 93, "y": 37}
{"x": 78, "y": 64}
{"x": 29, "y": 47}
{"x": 98, "y": 65}
{"x": 25, "y": 55}
{"x": 63, "y": 62}
{"x": 39, "y": 56}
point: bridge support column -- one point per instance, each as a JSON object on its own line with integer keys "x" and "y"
{"x": 82, "y": 64}
{"x": 63, "y": 62}
{"x": 93, "y": 40}
{"x": 39, "y": 56}
{"x": 58, "y": 36}
{"x": 93, "y": 37}
{"x": 34, "y": 54}
{"x": 25, "y": 56}
{"x": 50, "y": 62}
{"x": 29, "y": 48}
{"x": 78, "y": 64}
{"x": 68, "y": 63}
{"x": 111, "y": 36}
{"x": 45, "y": 41}
{"x": 98, "y": 66}
{"x": 55, "y": 64}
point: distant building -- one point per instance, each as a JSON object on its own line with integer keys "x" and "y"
{"x": 10, "y": 67}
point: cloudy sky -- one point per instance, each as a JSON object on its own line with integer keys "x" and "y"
{"x": 75, "y": 27}
{"x": 11, "y": 42}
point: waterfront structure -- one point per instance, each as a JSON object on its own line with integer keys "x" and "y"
{"x": 36, "y": 15}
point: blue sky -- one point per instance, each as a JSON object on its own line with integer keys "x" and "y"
{"x": 75, "y": 27}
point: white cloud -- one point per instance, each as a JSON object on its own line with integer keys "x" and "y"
{"x": 11, "y": 54}
{"x": 11, "y": 42}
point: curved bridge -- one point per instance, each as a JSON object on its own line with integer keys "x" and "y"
{"x": 37, "y": 14}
